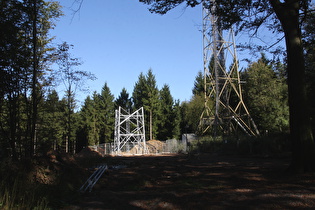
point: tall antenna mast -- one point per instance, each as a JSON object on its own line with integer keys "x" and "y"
{"x": 224, "y": 109}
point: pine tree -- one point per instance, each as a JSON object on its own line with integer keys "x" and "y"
{"x": 139, "y": 92}
{"x": 167, "y": 117}
{"x": 90, "y": 121}
{"x": 278, "y": 16}
{"x": 151, "y": 103}
{"x": 123, "y": 100}
{"x": 23, "y": 51}
{"x": 146, "y": 95}
{"x": 106, "y": 111}
{"x": 198, "y": 84}
{"x": 50, "y": 118}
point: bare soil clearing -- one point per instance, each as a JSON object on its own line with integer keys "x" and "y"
{"x": 199, "y": 182}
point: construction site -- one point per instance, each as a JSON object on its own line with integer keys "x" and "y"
{"x": 224, "y": 113}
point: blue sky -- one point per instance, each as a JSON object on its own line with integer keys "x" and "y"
{"x": 119, "y": 39}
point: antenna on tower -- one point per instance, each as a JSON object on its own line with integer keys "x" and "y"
{"x": 224, "y": 108}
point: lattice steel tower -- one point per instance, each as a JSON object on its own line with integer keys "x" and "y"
{"x": 129, "y": 131}
{"x": 224, "y": 109}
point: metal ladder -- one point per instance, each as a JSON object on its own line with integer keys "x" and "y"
{"x": 88, "y": 185}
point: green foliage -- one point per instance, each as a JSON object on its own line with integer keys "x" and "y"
{"x": 168, "y": 127}
{"x": 162, "y": 113}
{"x": 138, "y": 92}
{"x": 123, "y": 100}
{"x": 272, "y": 145}
{"x": 51, "y": 115}
{"x": 14, "y": 197}
{"x": 106, "y": 112}
{"x": 176, "y": 116}
{"x": 198, "y": 84}
{"x": 309, "y": 44}
{"x": 72, "y": 80}
{"x": 89, "y": 123}
{"x": 97, "y": 118}
{"x": 24, "y": 56}
{"x": 266, "y": 96}
{"x": 190, "y": 114}
{"x": 246, "y": 15}
{"x": 280, "y": 17}
{"x": 16, "y": 191}
{"x": 146, "y": 94}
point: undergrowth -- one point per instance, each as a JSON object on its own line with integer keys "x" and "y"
{"x": 271, "y": 145}
{"x": 41, "y": 183}
{"x": 16, "y": 190}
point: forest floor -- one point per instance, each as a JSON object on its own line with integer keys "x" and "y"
{"x": 202, "y": 181}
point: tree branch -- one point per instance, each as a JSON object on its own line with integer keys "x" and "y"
{"x": 75, "y": 11}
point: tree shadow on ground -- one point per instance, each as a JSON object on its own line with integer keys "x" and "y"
{"x": 200, "y": 182}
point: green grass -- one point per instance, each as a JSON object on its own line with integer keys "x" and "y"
{"x": 20, "y": 194}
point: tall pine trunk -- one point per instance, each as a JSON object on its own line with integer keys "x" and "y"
{"x": 34, "y": 82}
{"x": 303, "y": 156}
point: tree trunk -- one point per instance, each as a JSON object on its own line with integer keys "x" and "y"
{"x": 13, "y": 127}
{"x": 151, "y": 135}
{"x": 303, "y": 156}
{"x": 34, "y": 82}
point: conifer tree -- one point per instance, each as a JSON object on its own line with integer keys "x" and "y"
{"x": 123, "y": 100}
{"x": 50, "y": 121}
{"x": 106, "y": 111}
{"x": 176, "y": 132}
{"x": 138, "y": 92}
{"x": 146, "y": 94}
{"x": 280, "y": 16}
{"x": 151, "y": 103}
{"x": 23, "y": 56}
{"x": 90, "y": 121}
{"x": 167, "y": 117}
{"x": 198, "y": 84}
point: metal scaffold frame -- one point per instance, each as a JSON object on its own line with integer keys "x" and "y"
{"x": 222, "y": 80}
{"x": 129, "y": 129}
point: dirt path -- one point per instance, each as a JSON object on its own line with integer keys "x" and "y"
{"x": 200, "y": 182}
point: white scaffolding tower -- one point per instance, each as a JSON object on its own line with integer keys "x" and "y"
{"x": 129, "y": 131}
{"x": 224, "y": 108}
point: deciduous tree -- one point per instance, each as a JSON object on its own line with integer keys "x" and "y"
{"x": 278, "y": 16}
{"x": 266, "y": 97}
{"x": 24, "y": 41}
{"x": 72, "y": 79}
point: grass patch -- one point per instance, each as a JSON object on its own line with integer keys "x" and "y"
{"x": 17, "y": 191}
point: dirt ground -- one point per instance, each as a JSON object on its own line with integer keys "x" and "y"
{"x": 199, "y": 182}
